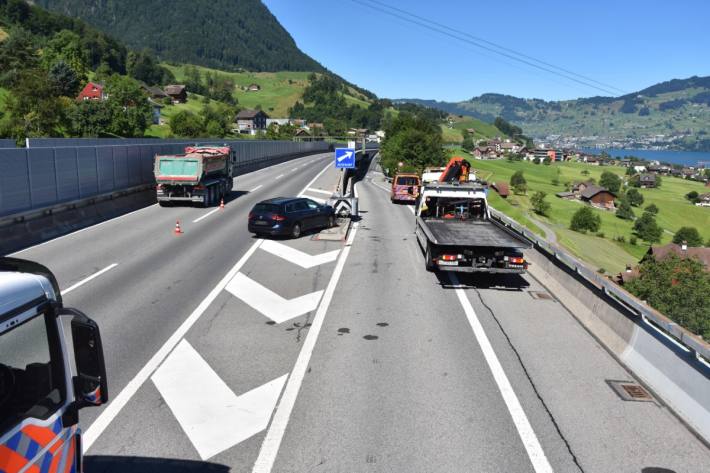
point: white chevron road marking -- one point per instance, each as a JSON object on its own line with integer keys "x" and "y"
{"x": 268, "y": 302}
{"x": 212, "y": 416}
{"x": 295, "y": 256}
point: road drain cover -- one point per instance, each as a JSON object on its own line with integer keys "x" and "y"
{"x": 630, "y": 391}
{"x": 541, "y": 295}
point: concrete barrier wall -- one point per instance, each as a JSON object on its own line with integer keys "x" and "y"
{"x": 39, "y": 178}
{"x": 674, "y": 373}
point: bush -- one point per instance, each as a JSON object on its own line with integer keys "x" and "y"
{"x": 624, "y": 210}
{"x": 633, "y": 240}
{"x": 518, "y": 183}
{"x": 187, "y": 124}
{"x": 647, "y": 229}
{"x": 585, "y": 220}
{"x": 621, "y": 239}
{"x": 652, "y": 209}
{"x": 635, "y": 197}
{"x": 689, "y": 235}
{"x": 539, "y": 204}
{"x": 610, "y": 181}
{"x": 600, "y": 234}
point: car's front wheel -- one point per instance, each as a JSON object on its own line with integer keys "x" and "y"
{"x": 296, "y": 230}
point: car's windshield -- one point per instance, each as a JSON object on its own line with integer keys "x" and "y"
{"x": 407, "y": 181}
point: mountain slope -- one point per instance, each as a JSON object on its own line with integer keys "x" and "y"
{"x": 674, "y": 114}
{"x": 222, "y": 34}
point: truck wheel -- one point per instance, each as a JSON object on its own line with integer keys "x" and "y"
{"x": 429, "y": 259}
{"x": 296, "y": 230}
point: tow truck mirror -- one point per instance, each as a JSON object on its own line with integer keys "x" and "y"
{"x": 90, "y": 384}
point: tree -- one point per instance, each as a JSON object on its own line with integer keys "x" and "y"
{"x": 17, "y": 53}
{"x": 144, "y": 67}
{"x": 584, "y": 220}
{"x": 659, "y": 181}
{"x": 66, "y": 46}
{"x": 653, "y": 208}
{"x": 679, "y": 288}
{"x": 468, "y": 143}
{"x": 33, "y": 109}
{"x": 414, "y": 140}
{"x": 585, "y": 172}
{"x": 539, "y": 204}
{"x": 689, "y": 235}
{"x": 624, "y": 210}
{"x": 186, "y": 124}
{"x": 635, "y": 197}
{"x": 610, "y": 181}
{"x": 64, "y": 80}
{"x": 129, "y": 107}
{"x": 647, "y": 229}
{"x": 692, "y": 196}
{"x": 518, "y": 183}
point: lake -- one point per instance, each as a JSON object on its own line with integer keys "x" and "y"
{"x": 686, "y": 158}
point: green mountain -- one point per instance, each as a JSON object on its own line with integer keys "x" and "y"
{"x": 673, "y": 114}
{"x": 221, "y": 34}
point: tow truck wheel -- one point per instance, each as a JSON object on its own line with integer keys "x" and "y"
{"x": 429, "y": 259}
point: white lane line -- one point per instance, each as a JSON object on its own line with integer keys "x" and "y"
{"x": 314, "y": 179}
{"x": 270, "y": 304}
{"x": 120, "y": 401}
{"x": 82, "y": 230}
{"x": 520, "y": 419}
{"x": 319, "y": 191}
{"x": 84, "y": 281}
{"x": 206, "y": 215}
{"x": 277, "y": 429}
{"x": 257, "y": 188}
{"x": 297, "y": 257}
{"x": 279, "y": 176}
{"x": 294, "y": 169}
{"x": 212, "y": 416}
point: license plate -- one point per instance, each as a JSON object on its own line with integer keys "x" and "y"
{"x": 448, "y": 263}
{"x": 261, "y": 222}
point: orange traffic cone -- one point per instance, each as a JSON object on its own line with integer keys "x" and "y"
{"x": 221, "y": 203}
{"x": 178, "y": 230}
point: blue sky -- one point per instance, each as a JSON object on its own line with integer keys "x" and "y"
{"x": 628, "y": 44}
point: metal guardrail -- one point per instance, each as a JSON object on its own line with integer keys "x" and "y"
{"x": 694, "y": 343}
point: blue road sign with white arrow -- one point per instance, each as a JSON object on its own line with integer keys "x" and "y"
{"x": 344, "y": 158}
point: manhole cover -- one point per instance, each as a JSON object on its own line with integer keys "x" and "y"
{"x": 630, "y": 391}
{"x": 541, "y": 295}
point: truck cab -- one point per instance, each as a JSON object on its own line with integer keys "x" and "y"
{"x": 51, "y": 366}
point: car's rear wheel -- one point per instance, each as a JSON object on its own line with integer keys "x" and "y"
{"x": 429, "y": 259}
{"x": 296, "y": 230}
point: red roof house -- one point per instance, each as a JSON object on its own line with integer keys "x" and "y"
{"x": 93, "y": 91}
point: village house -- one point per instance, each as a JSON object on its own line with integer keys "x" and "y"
{"x": 598, "y": 197}
{"x": 178, "y": 93}
{"x": 253, "y": 88}
{"x": 703, "y": 200}
{"x": 302, "y": 133}
{"x": 154, "y": 93}
{"x": 647, "y": 181}
{"x": 316, "y": 129}
{"x": 251, "y": 122}
{"x": 93, "y": 91}
{"x": 502, "y": 188}
{"x": 659, "y": 253}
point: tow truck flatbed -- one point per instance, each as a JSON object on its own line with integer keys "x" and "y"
{"x": 469, "y": 233}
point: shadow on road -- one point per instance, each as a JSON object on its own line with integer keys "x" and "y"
{"x": 116, "y": 464}
{"x": 499, "y": 282}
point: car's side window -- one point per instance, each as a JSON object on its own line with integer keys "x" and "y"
{"x": 311, "y": 204}
{"x": 290, "y": 208}
{"x": 301, "y": 205}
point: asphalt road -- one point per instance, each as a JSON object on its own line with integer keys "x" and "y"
{"x": 229, "y": 353}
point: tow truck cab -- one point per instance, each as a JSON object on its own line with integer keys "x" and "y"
{"x": 51, "y": 366}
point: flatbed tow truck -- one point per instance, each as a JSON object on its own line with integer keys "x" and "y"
{"x": 455, "y": 230}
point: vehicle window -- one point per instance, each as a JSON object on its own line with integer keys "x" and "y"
{"x": 312, "y": 204}
{"x": 407, "y": 181}
{"x": 266, "y": 208}
{"x": 30, "y": 374}
{"x": 291, "y": 207}
{"x": 301, "y": 205}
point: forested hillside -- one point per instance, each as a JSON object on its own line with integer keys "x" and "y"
{"x": 221, "y": 34}
{"x": 674, "y": 113}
